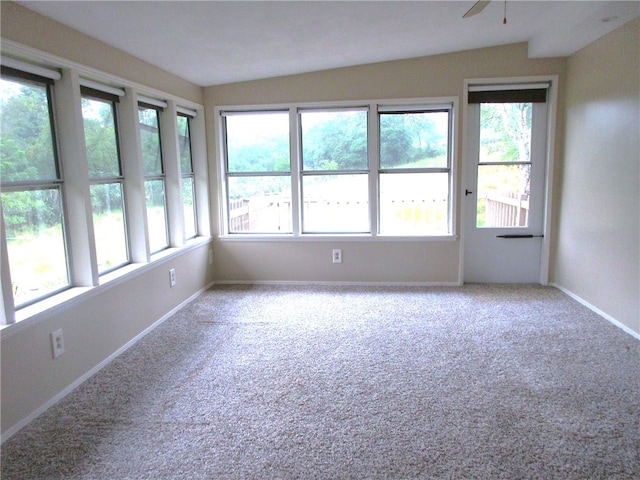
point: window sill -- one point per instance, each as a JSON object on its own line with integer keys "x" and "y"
{"x": 31, "y": 315}
{"x": 336, "y": 237}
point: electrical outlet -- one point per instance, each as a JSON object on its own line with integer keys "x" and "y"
{"x": 57, "y": 343}
{"x": 210, "y": 256}
{"x": 337, "y": 255}
{"x": 172, "y": 277}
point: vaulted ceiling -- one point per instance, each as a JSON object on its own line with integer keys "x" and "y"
{"x": 216, "y": 42}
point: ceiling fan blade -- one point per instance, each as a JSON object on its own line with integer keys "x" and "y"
{"x": 477, "y": 8}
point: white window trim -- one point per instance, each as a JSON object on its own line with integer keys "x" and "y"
{"x": 86, "y": 279}
{"x": 374, "y": 107}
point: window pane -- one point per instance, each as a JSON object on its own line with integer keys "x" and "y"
{"x": 505, "y": 132}
{"x": 184, "y": 145}
{"x": 335, "y": 203}
{"x": 35, "y": 242}
{"x": 414, "y": 140}
{"x": 100, "y": 138}
{"x": 156, "y": 215}
{"x": 150, "y": 141}
{"x": 503, "y": 195}
{"x": 26, "y": 141}
{"x": 109, "y": 226}
{"x": 260, "y": 204}
{"x": 189, "y": 210}
{"x": 258, "y": 143}
{"x": 334, "y": 140}
{"x": 414, "y": 203}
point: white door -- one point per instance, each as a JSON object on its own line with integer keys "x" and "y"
{"x": 504, "y": 190}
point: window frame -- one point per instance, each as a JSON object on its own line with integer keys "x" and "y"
{"x": 227, "y": 174}
{"x": 190, "y": 175}
{"x": 448, "y": 169}
{"x": 93, "y": 94}
{"x": 374, "y": 107}
{"x": 156, "y": 177}
{"x": 72, "y": 182}
{"x": 309, "y": 173}
{"x": 57, "y": 184}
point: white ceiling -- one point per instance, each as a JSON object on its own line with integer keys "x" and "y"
{"x": 216, "y": 42}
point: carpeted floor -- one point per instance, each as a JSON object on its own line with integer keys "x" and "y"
{"x": 486, "y": 382}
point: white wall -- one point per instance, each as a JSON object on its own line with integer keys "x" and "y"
{"x": 598, "y": 242}
{"x": 101, "y": 322}
{"x": 386, "y": 261}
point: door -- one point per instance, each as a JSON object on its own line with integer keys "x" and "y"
{"x": 505, "y": 186}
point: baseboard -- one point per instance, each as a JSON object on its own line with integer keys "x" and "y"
{"x": 50, "y": 403}
{"x": 303, "y": 283}
{"x": 595, "y": 309}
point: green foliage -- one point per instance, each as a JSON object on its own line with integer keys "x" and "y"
{"x": 269, "y": 155}
{"x": 413, "y": 139}
{"x": 100, "y": 140}
{"x": 26, "y": 145}
{"x": 184, "y": 145}
{"x": 338, "y": 141}
{"x": 150, "y": 141}
{"x": 506, "y": 131}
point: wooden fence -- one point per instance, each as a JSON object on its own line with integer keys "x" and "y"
{"x": 272, "y": 214}
{"x": 506, "y": 209}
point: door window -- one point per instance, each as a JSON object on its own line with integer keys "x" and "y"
{"x": 504, "y": 165}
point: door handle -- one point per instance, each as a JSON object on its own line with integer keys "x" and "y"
{"x": 519, "y": 236}
{"x": 467, "y": 192}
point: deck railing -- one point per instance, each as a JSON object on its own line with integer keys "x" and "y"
{"x": 273, "y": 213}
{"x": 506, "y": 209}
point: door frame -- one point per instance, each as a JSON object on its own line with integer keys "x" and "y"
{"x": 547, "y": 209}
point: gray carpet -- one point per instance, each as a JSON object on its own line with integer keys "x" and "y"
{"x": 486, "y": 382}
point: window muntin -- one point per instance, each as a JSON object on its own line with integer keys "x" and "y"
{"x": 32, "y": 194}
{"x": 258, "y": 172}
{"x": 335, "y": 168}
{"x": 188, "y": 176}
{"x": 154, "y": 179}
{"x": 415, "y": 173}
{"x": 105, "y": 182}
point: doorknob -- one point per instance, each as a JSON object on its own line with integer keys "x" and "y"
{"x": 467, "y": 192}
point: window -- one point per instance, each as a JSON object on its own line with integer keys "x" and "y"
{"x": 186, "y": 169}
{"x": 504, "y": 165}
{"x": 372, "y": 169}
{"x": 154, "y": 178}
{"x": 47, "y": 192}
{"x": 105, "y": 179}
{"x": 32, "y": 188}
{"x": 335, "y": 171}
{"x": 258, "y": 172}
{"x": 414, "y": 172}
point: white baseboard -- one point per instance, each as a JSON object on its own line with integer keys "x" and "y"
{"x": 597, "y": 310}
{"x": 51, "y": 402}
{"x": 303, "y": 283}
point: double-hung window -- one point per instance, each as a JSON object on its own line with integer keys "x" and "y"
{"x": 154, "y": 176}
{"x": 415, "y": 171}
{"x": 258, "y": 172}
{"x": 32, "y": 188}
{"x": 335, "y": 171}
{"x": 368, "y": 169}
{"x": 188, "y": 176}
{"x": 105, "y": 178}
